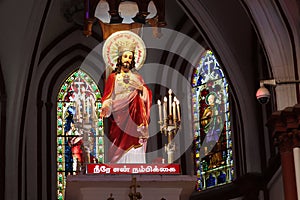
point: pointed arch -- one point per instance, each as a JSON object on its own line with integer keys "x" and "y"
{"x": 2, "y": 133}
{"x": 54, "y": 68}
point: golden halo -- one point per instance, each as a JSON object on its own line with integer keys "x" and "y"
{"x": 110, "y": 51}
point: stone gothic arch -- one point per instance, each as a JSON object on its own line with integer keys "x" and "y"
{"x": 2, "y": 132}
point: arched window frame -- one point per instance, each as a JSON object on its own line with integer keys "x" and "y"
{"x": 213, "y": 161}
{"x": 3, "y": 99}
{"x": 68, "y": 109}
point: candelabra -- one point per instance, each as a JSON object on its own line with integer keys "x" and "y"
{"x": 169, "y": 120}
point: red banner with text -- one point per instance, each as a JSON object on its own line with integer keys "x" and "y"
{"x": 133, "y": 169}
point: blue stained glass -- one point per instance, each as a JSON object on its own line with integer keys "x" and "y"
{"x": 221, "y": 178}
{"x": 211, "y": 181}
{"x": 68, "y": 158}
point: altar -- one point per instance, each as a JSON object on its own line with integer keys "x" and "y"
{"x": 118, "y": 187}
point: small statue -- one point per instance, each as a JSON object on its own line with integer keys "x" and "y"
{"x": 110, "y": 198}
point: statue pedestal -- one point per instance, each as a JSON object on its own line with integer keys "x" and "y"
{"x": 152, "y": 187}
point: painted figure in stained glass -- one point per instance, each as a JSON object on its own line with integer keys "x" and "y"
{"x": 68, "y": 128}
{"x": 211, "y": 120}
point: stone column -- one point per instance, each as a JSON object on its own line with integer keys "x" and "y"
{"x": 285, "y": 128}
{"x": 297, "y": 169}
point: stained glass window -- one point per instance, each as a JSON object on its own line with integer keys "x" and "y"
{"x": 212, "y": 132}
{"x": 80, "y": 135}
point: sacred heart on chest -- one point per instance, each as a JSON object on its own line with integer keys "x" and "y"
{"x": 126, "y": 79}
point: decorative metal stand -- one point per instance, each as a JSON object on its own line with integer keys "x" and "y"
{"x": 169, "y": 120}
{"x": 110, "y": 197}
{"x": 134, "y": 195}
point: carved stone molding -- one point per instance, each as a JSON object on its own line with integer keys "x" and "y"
{"x": 287, "y": 141}
{"x": 285, "y": 128}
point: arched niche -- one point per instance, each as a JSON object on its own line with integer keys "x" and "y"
{"x": 2, "y": 132}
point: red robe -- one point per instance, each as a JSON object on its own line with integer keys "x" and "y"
{"x": 130, "y": 117}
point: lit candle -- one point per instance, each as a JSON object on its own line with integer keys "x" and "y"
{"x": 88, "y": 107}
{"x": 170, "y": 102}
{"x": 83, "y": 107}
{"x": 175, "y": 100}
{"x": 178, "y": 109}
{"x": 165, "y": 109}
{"x": 78, "y": 104}
{"x": 93, "y": 114}
{"x": 174, "y": 111}
{"x": 159, "y": 110}
{"x": 77, "y": 110}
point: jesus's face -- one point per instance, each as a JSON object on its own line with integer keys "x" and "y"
{"x": 126, "y": 60}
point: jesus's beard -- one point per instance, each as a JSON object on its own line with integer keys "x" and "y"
{"x": 126, "y": 65}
